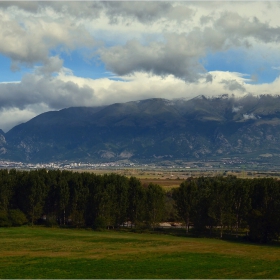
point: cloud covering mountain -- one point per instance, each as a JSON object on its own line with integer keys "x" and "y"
{"x": 57, "y": 54}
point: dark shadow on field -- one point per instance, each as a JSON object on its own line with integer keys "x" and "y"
{"x": 228, "y": 237}
{"x": 181, "y": 232}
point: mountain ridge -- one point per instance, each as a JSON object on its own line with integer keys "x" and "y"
{"x": 150, "y": 129}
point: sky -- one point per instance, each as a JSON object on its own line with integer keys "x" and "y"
{"x": 60, "y": 54}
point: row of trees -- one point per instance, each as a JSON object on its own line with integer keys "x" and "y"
{"x": 85, "y": 199}
{"x": 230, "y": 203}
{"x": 79, "y": 199}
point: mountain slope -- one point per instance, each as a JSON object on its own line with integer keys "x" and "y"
{"x": 200, "y": 128}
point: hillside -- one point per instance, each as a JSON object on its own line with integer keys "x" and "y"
{"x": 152, "y": 129}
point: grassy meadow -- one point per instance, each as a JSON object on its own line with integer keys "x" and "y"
{"x": 39, "y": 252}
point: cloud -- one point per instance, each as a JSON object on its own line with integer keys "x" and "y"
{"x": 36, "y": 94}
{"x": 34, "y": 89}
{"x": 233, "y": 85}
{"x": 52, "y": 65}
{"x": 178, "y": 56}
{"x": 209, "y": 78}
{"x": 238, "y": 29}
{"x": 71, "y": 8}
{"x": 45, "y": 26}
{"x": 142, "y": 86}
{"x": 249, "y": 116}
{"x": 148, "y": 12}
{"x": 143, "y": 13}
{"x": 31, "y": 6}
{"x": 13, "y": 116}
{"x": 29, "y": 41}
{"x": 236, "y": 109}
{"x": 115, "y": 11}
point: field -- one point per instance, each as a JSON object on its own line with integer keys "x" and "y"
{"x": 172, "y": 179}
{"x": 39, "y": 252}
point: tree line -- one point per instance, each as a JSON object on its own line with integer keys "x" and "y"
{"x": 78, "y": 199}
{"x": 206, "y": 205}
{"x": 219, "y": 203}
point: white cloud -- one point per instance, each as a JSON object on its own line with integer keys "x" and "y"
{"x": 29, "y": 39}
{"x": 9, "y": 117}
{"x": 249, "y": 116}
{"x": 236, "y": 109}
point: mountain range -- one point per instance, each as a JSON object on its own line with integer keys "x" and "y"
{"x": 150, "y": 130}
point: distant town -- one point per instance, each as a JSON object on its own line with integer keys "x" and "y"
{"x": 230, "y": 164}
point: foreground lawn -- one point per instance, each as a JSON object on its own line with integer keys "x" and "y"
{"x": 38, "y": 252}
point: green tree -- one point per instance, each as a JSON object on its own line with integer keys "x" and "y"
{"x": 94, "y": 184}
{"x": 120, "y": 205}
{"x": 170, "y": 211}
{"x": 202, "y": 220}
{"x": 78, "y": 199}
{"x": 6, "y": 190}
{"x": 264, "y": 217}
{"x": 52, "y": 205}
{"x": 155, "y": 204}
{"x": 137, "y": 201}
{"x": 220, "y": 207}
{"x": 241, "y": 201}
{"x": 36, "y": 193}
{"x": 185, "y": 198}
{"x": 64, "y": 195}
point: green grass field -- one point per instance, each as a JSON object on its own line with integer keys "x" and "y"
{"x": 38, "y": 252}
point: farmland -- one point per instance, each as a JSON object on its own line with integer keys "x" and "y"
{"x": 172, "y": 179}
{"x": 39, "y": 252}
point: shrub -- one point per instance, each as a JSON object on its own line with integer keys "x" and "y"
{"x": 4, "y": 219}
{"x": 100, "y": 223}
{"x": 17, "y": 217}
{"x": 51, "y": 221}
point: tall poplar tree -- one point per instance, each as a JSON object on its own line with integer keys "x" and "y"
{"x": 185, "y": 198}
